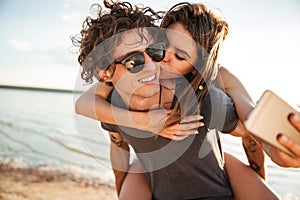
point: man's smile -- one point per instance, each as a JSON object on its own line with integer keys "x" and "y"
{"x": 148, "y": 79}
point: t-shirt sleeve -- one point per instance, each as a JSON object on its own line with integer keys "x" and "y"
{"x": 107, "y": 127}
{"x": 219, "y": 111}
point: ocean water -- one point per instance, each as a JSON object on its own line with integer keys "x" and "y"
{"x": 40, "y": 129}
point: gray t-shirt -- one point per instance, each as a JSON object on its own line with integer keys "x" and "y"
{"x": 189, "y": 169}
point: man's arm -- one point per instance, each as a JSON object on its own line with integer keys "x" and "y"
{"x": 119, "y": 157}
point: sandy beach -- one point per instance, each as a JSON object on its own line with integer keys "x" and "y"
{"x": 19, "y": 184}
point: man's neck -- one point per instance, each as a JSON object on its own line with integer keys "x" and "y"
{"x": 139, "y": 103}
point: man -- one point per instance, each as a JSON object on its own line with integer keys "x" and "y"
{"x": 165, "y": 161}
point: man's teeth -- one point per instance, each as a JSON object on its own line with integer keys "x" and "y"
{"x": 148, "y": 79}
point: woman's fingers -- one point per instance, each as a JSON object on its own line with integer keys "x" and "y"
{"x": 191, "y": 118}
{"x": 188, "y": 126}
{"x": 295, "y": 120}
{"x": 289, "y": 144}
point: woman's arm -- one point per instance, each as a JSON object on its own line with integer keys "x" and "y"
{"x": 235, "y": 89}
{"x": 243, "y": 104}
{"x": 253, "y": 150}
{"x": 93, "y": 97}
{"x": 93, "y": 104}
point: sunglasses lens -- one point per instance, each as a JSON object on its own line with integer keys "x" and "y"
{"x": 157, "y": 53}
{"x": 135, "y": 62}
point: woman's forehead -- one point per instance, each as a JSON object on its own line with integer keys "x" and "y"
{"x": 179, "y": 36}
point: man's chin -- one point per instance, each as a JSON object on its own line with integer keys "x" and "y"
{"x": 147, "y": 91}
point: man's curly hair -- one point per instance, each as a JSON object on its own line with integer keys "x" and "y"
{"x": 117, "y": 18}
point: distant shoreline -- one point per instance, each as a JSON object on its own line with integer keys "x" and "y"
{"x": 39, "y": 89}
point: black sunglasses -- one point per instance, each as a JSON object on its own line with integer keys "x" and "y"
{"x": 135, "y": 61}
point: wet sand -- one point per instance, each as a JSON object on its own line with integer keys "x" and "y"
{"x": 19, "y": 184}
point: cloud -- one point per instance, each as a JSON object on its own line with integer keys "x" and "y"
{"x": 77, "y": 10}
{"x": 45, "y": 57}
{"x": 55, "y": 54}
{"x": 73, "y": 11}
{"x": 72, "y": 16}
{"x": 20, "y": 44}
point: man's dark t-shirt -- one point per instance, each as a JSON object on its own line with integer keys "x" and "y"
{"x": 192, "y": 168}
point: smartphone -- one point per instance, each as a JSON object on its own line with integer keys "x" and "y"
{"x": 270, "y": 117}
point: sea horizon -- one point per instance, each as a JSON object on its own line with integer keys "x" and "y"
{"x": 48, "y": 89}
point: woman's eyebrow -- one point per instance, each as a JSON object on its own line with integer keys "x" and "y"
{"x": 183, "y": 52}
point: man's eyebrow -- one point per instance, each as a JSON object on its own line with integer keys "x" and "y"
{"x": 120, "y": 58}
{"x": 131, "y": 52}
{"x": 183, "y": 52}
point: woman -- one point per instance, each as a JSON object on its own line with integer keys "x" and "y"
{"x": 195, "y": 78}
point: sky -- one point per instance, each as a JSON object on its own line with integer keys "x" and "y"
{"x": 262, "y": 48}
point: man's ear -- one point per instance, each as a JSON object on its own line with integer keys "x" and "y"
{"x": 105, "y": 75}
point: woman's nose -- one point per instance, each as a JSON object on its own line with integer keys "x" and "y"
{"x": 168, "y": 56}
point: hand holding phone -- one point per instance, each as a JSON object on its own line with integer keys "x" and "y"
{"x": 270, "y": 118}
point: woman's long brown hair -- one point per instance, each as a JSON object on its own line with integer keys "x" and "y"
{"x": 209, "y": 31}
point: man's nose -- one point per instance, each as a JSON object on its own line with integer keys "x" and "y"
{"x": 147, "y": 58}
{"x": 149, "y": 63}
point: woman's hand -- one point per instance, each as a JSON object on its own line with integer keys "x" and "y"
{"x": 188, "y": 126}
{"x": 281, "y": 158}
